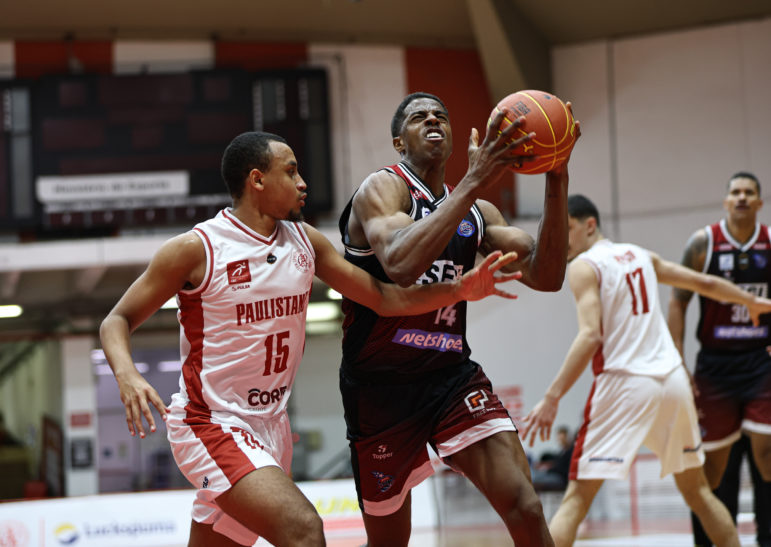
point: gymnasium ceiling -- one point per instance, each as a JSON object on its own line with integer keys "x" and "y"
{"x": 410, "y": 22}
{"x": 72, "y": 298}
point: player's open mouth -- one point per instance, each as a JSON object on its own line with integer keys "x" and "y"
{"x": 434, "y": 135}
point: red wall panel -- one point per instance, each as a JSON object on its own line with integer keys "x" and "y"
{"x": 259, "y": 55}
{"x": 457, "y": 77}
{"x": 35, "y": 58}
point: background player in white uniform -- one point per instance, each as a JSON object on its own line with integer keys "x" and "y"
{"x": 243, "y": 280}
{"x": 641, "y": 392}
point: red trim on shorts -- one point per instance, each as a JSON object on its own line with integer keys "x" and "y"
{"x": 578, "y": 449}
{"x": 220, "y": 444}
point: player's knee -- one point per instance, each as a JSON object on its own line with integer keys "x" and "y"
{"x": 308, "y": 530}
{"x": 529, "y": 509}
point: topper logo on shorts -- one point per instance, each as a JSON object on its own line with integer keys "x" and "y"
{"x": 382, "y": 452}
{"x": 439, "y": 341}
{"x": 475, "y": 400}
{"x": 384, "y": 482}
{"x": 238, "y": 272}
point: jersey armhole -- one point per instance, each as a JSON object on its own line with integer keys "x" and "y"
{"x": 710, "y": 243}
{"x": 594, "y": 266}
{"x": 209, "y": 264}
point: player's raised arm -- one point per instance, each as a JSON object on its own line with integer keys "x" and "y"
{"x": 179, "y": 262}
{"x": 711, "y": 286}
{"x": 388, "y": 299}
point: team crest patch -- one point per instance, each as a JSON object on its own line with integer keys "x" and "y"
{"x": 301, "y": 261}
{"x": 466, "y": 229}
{"x": 384, "y": 482}
{"x": 238, "y": 272}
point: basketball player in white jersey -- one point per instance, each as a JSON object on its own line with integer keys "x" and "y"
{"x": 242, "y": 281}
{"x": 641, "y": 392}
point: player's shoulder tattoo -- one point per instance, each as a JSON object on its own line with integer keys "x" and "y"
{"x": 696, "y": 250}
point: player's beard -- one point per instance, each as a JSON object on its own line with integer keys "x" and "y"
{"x": 296, "y": 216}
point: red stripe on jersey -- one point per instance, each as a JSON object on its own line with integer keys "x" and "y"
{"x": 408, "y": 179}
{"x": 598, "y": 361}
{"x": 304, "y": 237}
{"x": 578, "y": 448}
{"x": 191, "y": 319}
{"x": 250, "y": 233}
{"x": 210, "y": 254}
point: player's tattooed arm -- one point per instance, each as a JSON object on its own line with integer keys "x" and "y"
{"x": 693, "y": 257}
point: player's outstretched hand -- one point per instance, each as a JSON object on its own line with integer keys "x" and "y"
{"x": 488, "y": 160}
{"x": 759, "y": 306}
{"x": 137, "y": 395}
{"x": 540, "y": 420}
{"x": 482, "y": 281}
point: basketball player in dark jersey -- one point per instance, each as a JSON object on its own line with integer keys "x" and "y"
{"x": 732, "y": 378}
{"x": 408, "y": 381}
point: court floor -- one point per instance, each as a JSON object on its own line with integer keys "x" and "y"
{"x": 655, "y": 534}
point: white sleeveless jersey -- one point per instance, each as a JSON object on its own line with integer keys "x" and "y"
{"x": 635, "y": 337}
{"x": 242, "y": 331}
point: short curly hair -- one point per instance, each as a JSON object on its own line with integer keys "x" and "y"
{"x": 250, "y": 150}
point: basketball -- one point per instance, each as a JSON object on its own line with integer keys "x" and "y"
{"x": 553, "y": 124}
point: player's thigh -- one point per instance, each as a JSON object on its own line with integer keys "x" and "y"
{"x": 390, "y": 530}
{"x": 498, "y": 466}
{"x": 269, "y": 503}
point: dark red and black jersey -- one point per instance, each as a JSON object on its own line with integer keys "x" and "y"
{"x": 726, "y": 326}
{"x": 406, "y": 347}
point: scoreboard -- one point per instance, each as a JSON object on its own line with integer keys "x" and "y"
{"x": 94, "y": 153}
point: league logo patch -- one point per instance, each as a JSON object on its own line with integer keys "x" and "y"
{"x": 384, "y": 482}
{"x": 238, "y": 272}
{"x": 759, "y": 260}
{"x": 301, "y": 261}
{"x": 466, "y": 229}
{"x": 475, "y": 400}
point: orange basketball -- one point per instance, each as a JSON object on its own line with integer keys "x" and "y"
{"x": 553, "y": 124}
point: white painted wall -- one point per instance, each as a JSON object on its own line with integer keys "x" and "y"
{"x": 79, "y": 397}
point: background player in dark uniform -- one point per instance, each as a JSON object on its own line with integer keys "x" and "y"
{"x": 732, "y": 378}
{"x": 407, "y": 382}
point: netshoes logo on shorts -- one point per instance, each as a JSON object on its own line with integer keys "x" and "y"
{"x": 439, "y": 341}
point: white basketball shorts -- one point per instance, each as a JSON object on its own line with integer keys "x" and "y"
{"x": 215, "y": 450}
{"x": 625, "y": 411}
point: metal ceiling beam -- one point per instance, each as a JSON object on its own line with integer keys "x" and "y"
{"x": 515, "y": 55}
{"x": 8, "y": 283}
{"x": 87, "y": 279}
